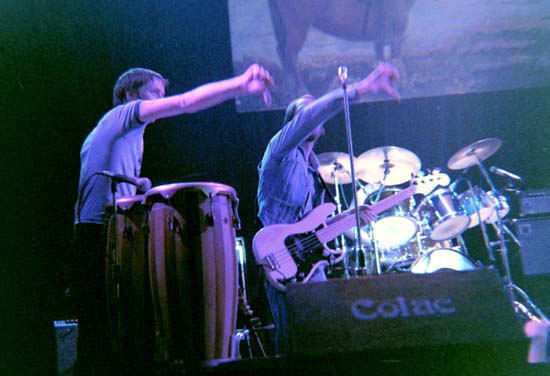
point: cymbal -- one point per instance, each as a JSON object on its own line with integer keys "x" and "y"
{"x": 334, "y": 167}
{"x": 471, "y": 155}
{"x": 389, "y": 165}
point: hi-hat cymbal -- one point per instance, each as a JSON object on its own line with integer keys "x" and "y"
{"x": 471, "y": 155}
{"x": 389, "y": 165}
{"x": 335, "y": 167}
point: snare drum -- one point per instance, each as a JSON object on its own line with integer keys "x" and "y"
{"x": 477, "y": 204}
{"x": 127, "y": 283}
{"x": 441, "y": 259}
{"x": 442, "y": 214}
{"x": 193, "y": 269}
{"x": 395, "y": 226}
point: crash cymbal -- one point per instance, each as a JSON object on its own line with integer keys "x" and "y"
{"x": 472, "y": 154}
{"x": 335, "y": 167}
{"x": 389, "y": 165}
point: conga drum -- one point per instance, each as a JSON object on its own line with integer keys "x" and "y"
{"x": 128, "y": 294}
{"x": 193, "y": 270}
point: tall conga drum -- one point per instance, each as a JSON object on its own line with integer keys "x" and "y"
{"x": 128, "y": 294}
{"x": 193, "y": 270}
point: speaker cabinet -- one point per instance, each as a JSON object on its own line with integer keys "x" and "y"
{"x": 534, "y": 236}
{"x": 402, "y": 310}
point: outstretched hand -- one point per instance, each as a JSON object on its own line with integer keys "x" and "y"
{"x": 380, "y": 80}
{"x": 258, "y": 80}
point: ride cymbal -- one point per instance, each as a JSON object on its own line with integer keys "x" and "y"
{"x": 471, "y": 155}
{"x": 335, "y": 167}
{"x": 389, "y": 165}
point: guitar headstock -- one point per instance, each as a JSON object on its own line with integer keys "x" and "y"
{"x": 428, "y": 183}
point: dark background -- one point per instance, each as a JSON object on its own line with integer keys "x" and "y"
{"x": 60, "y": 60}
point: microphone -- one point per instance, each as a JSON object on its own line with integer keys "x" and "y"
{"x": 502, "y": 172}
{"x": 143, "y": 184}
{"x": 343, "y": 74}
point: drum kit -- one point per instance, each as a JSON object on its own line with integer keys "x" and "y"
{"x": 421, "y": 234}
{"x": 170, "y": 272}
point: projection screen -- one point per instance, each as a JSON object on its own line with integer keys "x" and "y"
{"x": 441, "y": 47}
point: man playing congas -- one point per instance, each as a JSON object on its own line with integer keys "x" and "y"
{"x": 115, "y": 148}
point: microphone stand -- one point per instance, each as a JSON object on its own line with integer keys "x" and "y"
{"x": 343, "y": 76}
{"x": 113, "y": 259}
{"x": 511, "y": 288}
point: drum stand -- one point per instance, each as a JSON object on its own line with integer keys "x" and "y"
{"x": 529, "y": 310}
{"x": 253, "y": 324}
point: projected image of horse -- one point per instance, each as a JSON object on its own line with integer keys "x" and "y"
{"x": 381, "y": 21}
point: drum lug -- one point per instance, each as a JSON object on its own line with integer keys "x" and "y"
{"x": 209, "y": 219}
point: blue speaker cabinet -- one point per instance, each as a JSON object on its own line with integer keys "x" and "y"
{"x": 534, "y": 236}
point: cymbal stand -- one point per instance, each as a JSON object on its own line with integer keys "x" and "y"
{"x": 482, "y": 226}
{"x": 340, "y": 241}
{"x": 372, "y": 234}
{"x": 510, "y": 234}
{"x": 343, "y": 77}
{"x": 511, "y": 288}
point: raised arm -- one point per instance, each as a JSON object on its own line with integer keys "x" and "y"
{"x": 380, "y": 80}
{"x": 255, "y": 80}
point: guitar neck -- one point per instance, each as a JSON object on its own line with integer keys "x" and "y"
{"x": 385, "y": 204}
{"x": 348, "y": 221}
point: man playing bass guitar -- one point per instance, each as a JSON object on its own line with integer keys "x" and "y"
{"x": 289, "y": 187}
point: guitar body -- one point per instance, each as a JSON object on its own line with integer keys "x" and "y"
{"x": 292, "y": 252}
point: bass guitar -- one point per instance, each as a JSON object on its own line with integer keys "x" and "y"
{"x": 290, "y": 253}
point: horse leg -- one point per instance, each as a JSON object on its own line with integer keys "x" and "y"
{"x": 291, "y": 22}
{"x": 379, "y": 45}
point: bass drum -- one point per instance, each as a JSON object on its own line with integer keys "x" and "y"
{"x": 401, "y": 258}
{"x": 193, "y": 270}
{"x": 395, "y": 226}
{"x": 442, "y": 259}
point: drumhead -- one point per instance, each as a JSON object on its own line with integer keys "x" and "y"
{"x": 441, "y": 259}
{"x": 165, "y": 192}
{"x": 394, "y": 231}
{"x": 448, "y": 228}
{"x": 126, "y": 203}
